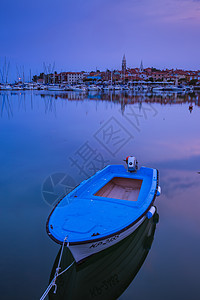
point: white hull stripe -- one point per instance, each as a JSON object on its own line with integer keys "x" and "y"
{"x": 82, "y": 251}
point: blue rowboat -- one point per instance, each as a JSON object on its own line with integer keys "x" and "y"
{"x": 104, "y": 209}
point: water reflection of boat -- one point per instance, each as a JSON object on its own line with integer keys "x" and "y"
{"x": 109, "y": 273}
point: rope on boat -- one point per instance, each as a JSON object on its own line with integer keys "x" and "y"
{"x": 57, "y": 274}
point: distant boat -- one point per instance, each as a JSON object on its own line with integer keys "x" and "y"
{"x": 6, "y": 87}
{"x": 125, "y": 88}
{"x": 135, "y": 88}
{"x": 145, "y": 88}
{"x": 17, "y": 87}
{"x": 174, "y": 88}
{"x": 158, "y": 89}
{"x": 55, "y": 87}
{"x": 117, "y": 87}
{"x": 93, "y": 87}
{"x": 189, "y": 88}
{"x": 79, "y": 88}
{"x": 108, "y": 88}
{"x": 104, "y": 209}
{"x": 170, "y": 88}
{"x": 109, "y": 273}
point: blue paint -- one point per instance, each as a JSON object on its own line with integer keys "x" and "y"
{"x": 149, "y": 215}
{"x": 151, "y": 212}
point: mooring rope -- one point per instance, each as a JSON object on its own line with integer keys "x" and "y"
{"x": 57, "y": 274}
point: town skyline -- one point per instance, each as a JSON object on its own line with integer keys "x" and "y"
{"x": 20, "y": 72}
{"x": 125, "y": 74}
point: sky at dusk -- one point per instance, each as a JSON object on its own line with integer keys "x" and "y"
{"x": 85, "y": 35}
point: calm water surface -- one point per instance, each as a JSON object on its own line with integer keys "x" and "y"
{"x": 50, "y": 142}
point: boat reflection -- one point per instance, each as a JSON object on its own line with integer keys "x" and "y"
{"x": 106, "y": 275}
{"x": 6, "y": 106}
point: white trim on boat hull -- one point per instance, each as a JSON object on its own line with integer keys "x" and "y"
{"x": 82, "y": 251}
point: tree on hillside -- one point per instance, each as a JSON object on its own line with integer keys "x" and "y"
{"x": 35, "y": 78}
{"x": 155, "y": 70}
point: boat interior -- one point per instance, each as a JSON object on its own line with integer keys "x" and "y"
{"x": 121, "y": 188}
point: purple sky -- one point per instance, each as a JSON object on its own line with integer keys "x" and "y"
{"x": 90, "y": 34}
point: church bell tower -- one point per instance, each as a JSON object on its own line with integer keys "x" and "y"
{"x": 124, "y": 68}
{"x": 124, "y": 64}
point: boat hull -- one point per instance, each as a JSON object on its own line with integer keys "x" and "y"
{"x": 81, "y": 252}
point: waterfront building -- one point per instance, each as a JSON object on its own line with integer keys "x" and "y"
{"x": 41, "y": 80}
{"x": 71, "y": 77}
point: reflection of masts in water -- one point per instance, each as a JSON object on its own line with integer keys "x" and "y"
{"x": 6, "y": 105}
{"x": 50, "y": 105}
{"x": 31, "y": 101}
{"x": 22, "y": 102}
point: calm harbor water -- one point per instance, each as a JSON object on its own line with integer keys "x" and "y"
{"x": 50, "y": 142}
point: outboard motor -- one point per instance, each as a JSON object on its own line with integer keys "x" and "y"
{"x": 132, "y": 163}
